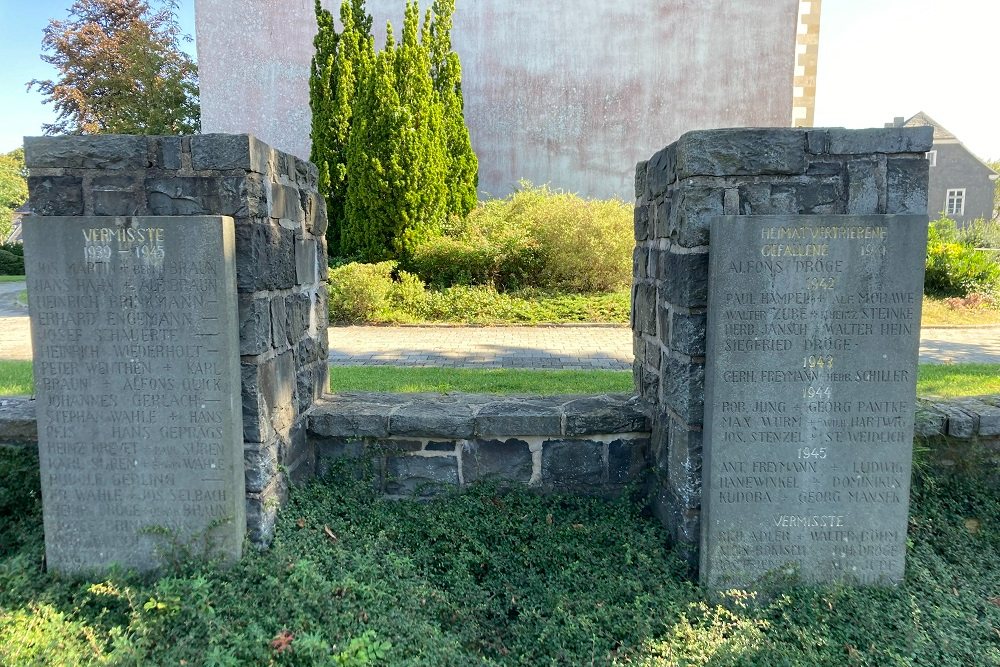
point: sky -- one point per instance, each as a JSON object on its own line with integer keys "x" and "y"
{"x": 878, "y": 59}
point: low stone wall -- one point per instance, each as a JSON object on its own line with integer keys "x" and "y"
{"x": 280, "y": 267}
{"x": 420, "y": 444}
{"x": 960, "y": 436}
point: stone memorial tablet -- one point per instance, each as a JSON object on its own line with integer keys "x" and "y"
{"x": 136, "y": 362}
{"x": 813, "y": 332}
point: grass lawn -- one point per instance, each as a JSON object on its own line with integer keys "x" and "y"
{"x": 945, "y": 380}
{"x": 959, "y": 312}
{"x": 488, "y": 578}
{"x": 477, "y": 381}
{"x": 12, "y": 279}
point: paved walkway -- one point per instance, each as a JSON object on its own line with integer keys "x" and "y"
{"x": 555, "y": 347}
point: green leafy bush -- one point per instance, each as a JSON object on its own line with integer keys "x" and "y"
{"x": 479, "y": 252}
{"x": 11, "y": 264}
{"x": 955, "y": 268}
{"x": 362, "y": 293}
{"x": 537, "y": 237}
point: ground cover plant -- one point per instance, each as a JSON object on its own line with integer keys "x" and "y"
{"x": 493, "y": 578}
{"x": 943, "y": 380}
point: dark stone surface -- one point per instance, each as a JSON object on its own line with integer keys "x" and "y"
{"x": 862, "y": 187}
{"x": 305, "y": 261}
{"x": 685, "y": 278}
{"x": 279, "y": 325}
{"x": 151, "y": 368}
{"x": 906, "y": 185}
{"x": 660, "y": 172}
{"x": 662, "y": 222}
{"x": 641, "y": 223}
{"x": 519, "y": 417}
{"x": 260, "y": 463}
{"x": 495, "y": 459}
{"x": 224, "y": 152}
{"x": 173, "y": 195}
{"x": 297, "y": 308}
{"x": 627, "y": 460}
{"x": 167, "y": 152}
{"x": 255, "y": 325}
{"x": 265, "y": 256}
{"x": 119, "y": 194}
{"x": 56, "y": 195}
{"x": 572, "y": 463}
{"x": 17, "y": 421}
{"x": 432, "y": 419}
{"x": 105, "y": 151}
{"x": 644, "y": 308}
{"x": 683, "y": 387}
{"x": 741, "y": 152}
{"x": 687, "y": 334}
{"x": 352, "y": 416}
{"x": 420, "y": 475}
{"x": 616, "y": 413}
{"x": 809, "y": 402}
{"x": 693, "y": 210}
{"x": 880, "y": 140}
{"x": 640, "y": 179}
{"x": 269, "y": 389}
{"x": 285, "y": 203}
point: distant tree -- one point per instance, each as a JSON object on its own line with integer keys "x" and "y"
{"x": 120, "y": 70}
{"x": 13, "y": 188}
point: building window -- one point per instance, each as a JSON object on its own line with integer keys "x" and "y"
{"x": 932, "y": 158}
{"x": 954, "y": 202}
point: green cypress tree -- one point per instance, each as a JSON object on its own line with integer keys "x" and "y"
{"x": 371, "y": 223}
{"x": 397, "y": 159}
{"x": 336, "y": 69}
{"x": 446, "y": 70}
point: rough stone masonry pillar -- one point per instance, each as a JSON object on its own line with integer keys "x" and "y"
{"x": 280, "y": 224}
{"x": 679, "y": 190}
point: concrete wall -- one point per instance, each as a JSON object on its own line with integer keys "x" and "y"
{"x": 572, "y": 92}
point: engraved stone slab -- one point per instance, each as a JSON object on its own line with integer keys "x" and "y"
{"x": 134, "y": 326}
{"x": 813, "y": 331}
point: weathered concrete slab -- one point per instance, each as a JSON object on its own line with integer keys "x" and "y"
{"x": 813, "y": 329}
{"x": 134, "y": 326}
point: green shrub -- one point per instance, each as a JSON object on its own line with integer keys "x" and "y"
{"x": 504, "y": 258}
{"x": 11, "y": 264}
{"x": 362, "y": 293}
{"x": 13, "y": 248}
{"x": 954, "y": 267}
{"x": 534, "y": 238}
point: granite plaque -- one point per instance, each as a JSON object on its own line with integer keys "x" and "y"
{"x": 813, "y": 332}
{"x": 136, "y": 363}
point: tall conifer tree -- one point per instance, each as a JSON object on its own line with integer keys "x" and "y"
{"x": 446, "y": 70}
{"x": 337, "y": 68}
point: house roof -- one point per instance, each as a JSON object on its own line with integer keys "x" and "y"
{"x": 942, "y": 135}
{"x": 923, "y": 120}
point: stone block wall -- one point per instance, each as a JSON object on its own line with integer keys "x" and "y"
{"x": 421, "y": 444}
{"x": 679, "y": 190}
{"x": 280, "y": 264}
